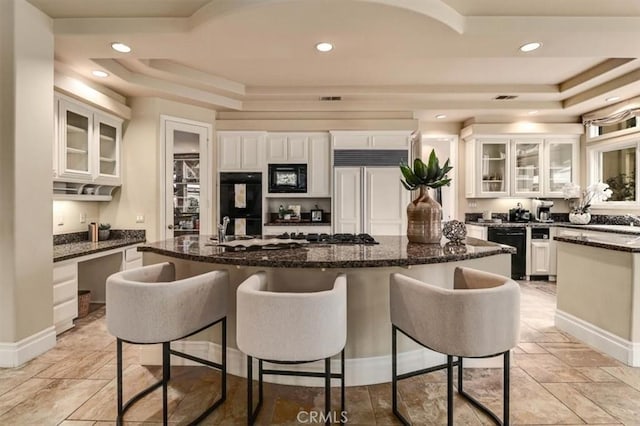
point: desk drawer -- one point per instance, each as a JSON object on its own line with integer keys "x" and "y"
{"x": 132, "y": 254}
{"x": 65, "y": 291}
{"x": 63, "y": 273}
{"x": 65, "y": 311}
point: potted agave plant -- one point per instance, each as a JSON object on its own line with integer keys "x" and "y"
{"x": 424, "y": 214}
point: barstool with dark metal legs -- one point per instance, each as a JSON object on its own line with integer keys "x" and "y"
{"x": 148, "y": 305}
{"x": 479, "y": 318}
{"x": 291, "y": 328}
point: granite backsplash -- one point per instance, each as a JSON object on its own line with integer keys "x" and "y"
{"x": 115, "y": 234}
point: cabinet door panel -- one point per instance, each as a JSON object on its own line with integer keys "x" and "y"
{"x": 107, "y": 134}
{"x": 76, "y": 132}
{"x": 494, "y": 168}
{"x": 539, "y": 258}
{"x": 297, "y": 147}
{"x": 386, "y": 202}
{"x": 390, "y": 141}
{"x": 347, "y": 200}
{"x": 356, "y": 141}
{"x": 561, "y": 158}
{"x": 252, "y": 155}
{"x": 229, "y": 152}
{"x": 319, "y": 166}
{"x": 527, "y": 168}
{"x": 276, "y": 149}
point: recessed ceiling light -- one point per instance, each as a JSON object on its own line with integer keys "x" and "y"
{"x": 530, "y": 47}
{"x": 612, "y": 98}
{"x": 120, "y": 47}
{"x": 324, "y": 47}
{"x": 441, "y": 116}
{"x": 534, "y": 112}
{"x": 100, "y": 73}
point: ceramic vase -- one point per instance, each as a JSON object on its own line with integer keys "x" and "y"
{"x": 424, "y": 215}
{"x": 580, "y": 218}
{"x": 103, "y": 234}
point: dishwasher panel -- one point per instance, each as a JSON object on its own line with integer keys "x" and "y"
{"x": 515, "y": 237}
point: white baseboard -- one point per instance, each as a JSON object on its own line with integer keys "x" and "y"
{"x": 15, "y": 354}
{"x": 621, "y": 349}
{"x": 359, "y": 371}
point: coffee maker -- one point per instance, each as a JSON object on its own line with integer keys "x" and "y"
{"x": 541, "y": 210}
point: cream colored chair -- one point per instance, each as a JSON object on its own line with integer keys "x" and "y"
{"x": 148, "y": 305}
{"x": 479, "y": 318}
{"x": 290, "y": 328}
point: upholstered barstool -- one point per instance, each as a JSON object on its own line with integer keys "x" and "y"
{"x": 148, "y": 305}
{"x": 291, "y": 328}
{"x": 479, "y": 318}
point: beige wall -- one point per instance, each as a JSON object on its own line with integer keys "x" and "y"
{"x": 141, "y": 174}
{"x": 69, "y": 212}
{"x": 26, "y": 291}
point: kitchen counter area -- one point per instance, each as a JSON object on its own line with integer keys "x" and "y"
{"x": 313, "y": 267}
{"x": 69, "y": 246}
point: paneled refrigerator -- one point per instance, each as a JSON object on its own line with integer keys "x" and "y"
{"x": 370, "y": 198}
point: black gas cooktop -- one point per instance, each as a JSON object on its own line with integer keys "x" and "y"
{"x": 330, "y": 238}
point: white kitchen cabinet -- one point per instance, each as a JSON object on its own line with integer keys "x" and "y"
{"x": 371, "y": 139}
{"x": 347, "y": 200}
{"x": 527, "y": 167}
{"x": 519, "y": 166}
{"x": 87, "y": 144}
{"x": 540, "y": 257}
{"x": 287, "y": 148}
{"x": 477, "y": 231}
{"x": 369, "y": 199}
{"x": 241, "y": 151}
{"x": 65, "y": 295}
{"x": 561, "y": 164}
{"x": 319, "y": 171}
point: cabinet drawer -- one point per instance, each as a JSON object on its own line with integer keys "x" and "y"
{"x": 65, "y": 311}
{"x": 65, "y": 273}
{"x": 65, "y": 291}
{"x": 132, "y": 254}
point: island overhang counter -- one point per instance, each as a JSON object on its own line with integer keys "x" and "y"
{"x": 313, "y": 267}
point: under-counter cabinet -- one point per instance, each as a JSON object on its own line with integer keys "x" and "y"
{"x": 241, "y": 151}
{"x": 87, "y": 144}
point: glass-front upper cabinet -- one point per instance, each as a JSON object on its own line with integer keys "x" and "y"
{"x": 561, "y": 165}
{"x": 107, "y": 132}
{"x": 75, "y": 136}
{"x": 527, "y": 166}
{"x": 494, "y": 171}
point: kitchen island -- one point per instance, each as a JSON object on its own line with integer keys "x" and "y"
{"x": 313, "y": 267}
{"x": 598, "y": 293}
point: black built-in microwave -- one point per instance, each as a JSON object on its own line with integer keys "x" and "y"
{"x": 287, "y": 178}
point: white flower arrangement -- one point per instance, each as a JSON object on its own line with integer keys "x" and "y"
{"x": 596, "y": 192}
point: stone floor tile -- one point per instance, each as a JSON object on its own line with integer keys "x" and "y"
{"x": 626, "y": 374}
{"x": 596, "y": 374}
{"x": 617, "y": 399}
{"x": 22, "y": 392}
{"x": 546, "y": 368}
{"x": 578, "y": 403}
{"x": 53, "y": 404}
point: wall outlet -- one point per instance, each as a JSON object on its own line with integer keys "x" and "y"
{"x": 140, "y": 218}
{"x": 60, "y": 220}
{"x": 472, "y": 204}
{"x": 83, "y": 217}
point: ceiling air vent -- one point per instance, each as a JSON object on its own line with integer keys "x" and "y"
{"x": 505, "y": 97}
{"x": 330, "y": 98}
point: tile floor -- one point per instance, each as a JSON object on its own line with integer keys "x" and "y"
{"x": 555, "y": 380}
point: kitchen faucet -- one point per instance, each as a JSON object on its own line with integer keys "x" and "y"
{"x": 634, "y": 218}
{"x": 222, "y": 229}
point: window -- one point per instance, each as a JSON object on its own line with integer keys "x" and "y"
{"x": 619, "y": 171}
{"x": 616, "y": 165}
{"x": 607, "y": 129}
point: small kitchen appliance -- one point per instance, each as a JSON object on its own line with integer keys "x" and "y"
{"x": 287, "y": 178}
{"x": 519, "y": 214}
{"x": 541, "y": 210}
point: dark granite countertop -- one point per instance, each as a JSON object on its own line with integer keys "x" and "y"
{"x": 76, "y": 247}
{"x": 626, "y": 243}
{"x": 392, "y": 251}
{"x": 615, "y": 229}
{"x": 516, "y": 224}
